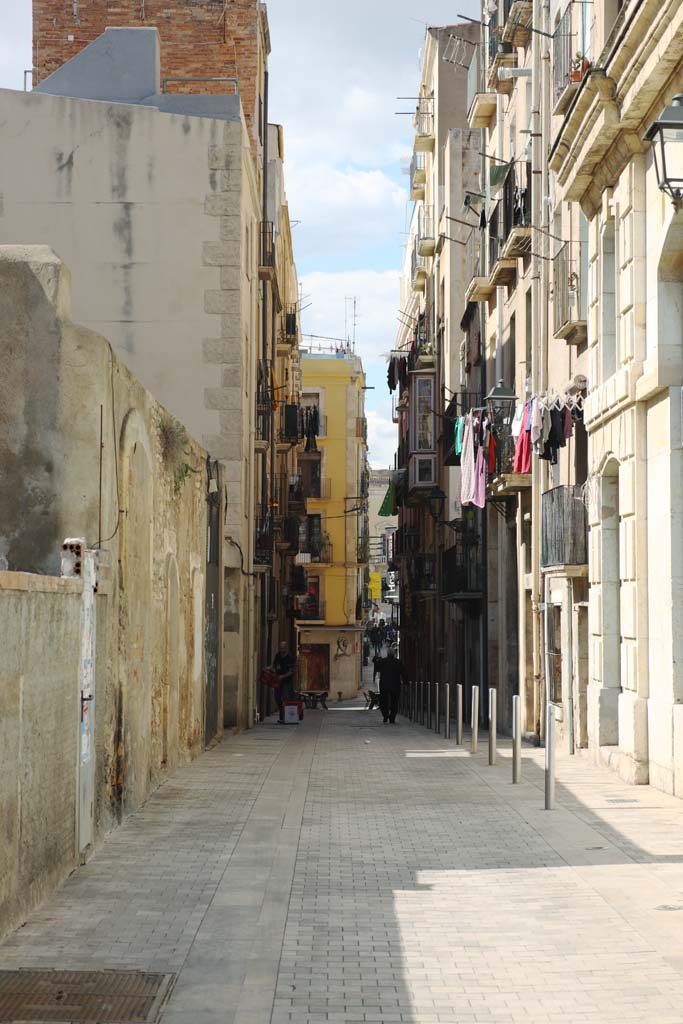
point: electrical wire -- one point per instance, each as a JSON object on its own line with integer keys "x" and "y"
{"x": 251, "y": 575}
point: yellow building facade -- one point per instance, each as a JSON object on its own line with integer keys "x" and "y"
{"x": 333, "y": 543}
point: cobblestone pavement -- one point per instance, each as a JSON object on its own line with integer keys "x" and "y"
{"x": 345, "y": 871}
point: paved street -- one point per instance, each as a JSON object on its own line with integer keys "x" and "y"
{"x": 346, "y": 871}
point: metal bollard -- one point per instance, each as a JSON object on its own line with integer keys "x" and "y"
{"x": 447, "y": 711}
{"x": 429, "y": 705}
{"x": 437, "y": 709}
{"x": 475, "y": 718}
{"x": 421, "y": 709}
{"x": 550, "y": 757}
{"x": 516, "y": 739}
{"x": 492, "y": 725}
{"x": 458, "y": 714}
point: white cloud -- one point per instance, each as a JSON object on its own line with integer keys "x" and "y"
{"x": 343, "y": 210}
{"x": 382, "y": 440}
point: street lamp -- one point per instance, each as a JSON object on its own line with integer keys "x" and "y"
{"x": 501, "y": 402}
{"x": 666, "y": 136}
{"x": 435, "y": 500}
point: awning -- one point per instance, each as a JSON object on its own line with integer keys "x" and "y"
{"x": 388, "y": 507}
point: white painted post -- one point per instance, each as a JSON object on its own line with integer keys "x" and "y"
{"x": 458, "y": 714}
{"x": 492, "y": 725}
{"x": 550, "y": 757}
{"x": 475, "y": 718}
{"x": 516, "y": 739}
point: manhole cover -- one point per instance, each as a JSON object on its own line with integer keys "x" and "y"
{"x": 81, "y": 997}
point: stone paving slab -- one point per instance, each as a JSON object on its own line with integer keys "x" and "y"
{"x": 348, "y": 872}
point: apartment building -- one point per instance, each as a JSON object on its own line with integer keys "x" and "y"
{"x": 328, "y": 597}
{"x": 425, "y": 364}
{"x": 609, "y": 158}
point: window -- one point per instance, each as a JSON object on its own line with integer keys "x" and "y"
{"x": 422, "y": 405}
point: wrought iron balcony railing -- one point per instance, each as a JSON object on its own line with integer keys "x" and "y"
{"x": 463, "y": 564}
{"x": 569, "y": 295}
{"x": 267, "y": 247}
{"x": 263, "y": 539}
{"x": 421, "y": 573}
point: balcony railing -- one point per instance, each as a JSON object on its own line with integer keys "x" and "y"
{"x": 297, "y": 580}
{"x": 517, "y": 210}
{"x": 421, "y": 572}
{"x": 290, "y": 324}
{"x": 506, "y": 444}
{"x": 363, "y": 550}
{"x": 289, "y": 431}
{"x": 318, "y": 488}
{"x": 296, "y": 497}
{"x": 315, "y": 553}
{"x": 267, "y": 248}
{"x": 418, "y": 176}
{"x": 310, "y": 609}
{"x": 463, "y": 564}
{"x": 569, "y": 298}
{"x": 564, "y": 536}
{"x": 424, "y": 124}
{"x": 362, "y": 428}
{"x": 406, "y": 540}
{"x": 287, "y": 530}
{"x": 517, "y": 21}
{"x": 426, "y": 238}
{"x": 418, "y": 268}
{"x": 570, "y": 64}
{"x": 264, "y": 402}
{"x": 263, "y": 539}
{"x": 500, "y": 55}
{"x": 502, "y": 269}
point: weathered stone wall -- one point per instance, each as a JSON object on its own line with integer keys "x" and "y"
{"x": 149, "y": 520}
{"x": 39, "y": 634}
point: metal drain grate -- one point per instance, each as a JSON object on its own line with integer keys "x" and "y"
{"x": 82, "y": 997}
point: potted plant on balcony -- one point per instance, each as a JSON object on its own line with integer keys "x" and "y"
{"x": 580, "y": 65}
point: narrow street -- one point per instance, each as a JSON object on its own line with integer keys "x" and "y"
{"x": 346, "y": 871}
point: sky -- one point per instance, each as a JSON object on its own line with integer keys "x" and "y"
{"x": 336, "y": 72}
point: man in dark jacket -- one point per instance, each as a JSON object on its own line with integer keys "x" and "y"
{"x": 283, "y": 665}
{"x": 390, "y": 678}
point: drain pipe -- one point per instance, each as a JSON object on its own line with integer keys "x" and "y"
{"x": 537, "y": 202}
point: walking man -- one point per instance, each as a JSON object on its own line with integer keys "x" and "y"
{"x": 283, "y": 665}
{"x": 390, "y": 678}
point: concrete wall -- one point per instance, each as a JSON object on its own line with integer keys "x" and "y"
{"x": 40, "y": 637}
{"x": 62, "y": 383}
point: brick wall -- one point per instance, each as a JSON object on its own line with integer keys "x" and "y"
{"x": 199, "y": 38}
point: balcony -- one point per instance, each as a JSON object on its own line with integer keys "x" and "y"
{"x": 464, "y": 574}
{"x": 317, "y": 489}
{"x": 426, "y": 236}
{"x": 317, "y": 554}
{"x": 517, "y": 22}
{"x": 287, "y": 532}
{"x": 569, "y": 298}
{"x": 309, "y": 609}
{"x": 421, "y": 573}
{"x": 505, "y": 482}
{"x": 564, "y": 532}
{"x": 296, "y": 499}
{"x": 517, "y": 211}
{"x": 502, "y": 271}
{"x": 263, "y": 539}
{"x": 483, "y": 109}
{"x": 418, "y": 269}
{"x": 266, "y": 266}
{"x": 289, "y": 330}
{"x": 297, "y": 580}
{"x": 423, "y": 123}
{"x": 362, "y": 429}
{"x": 478, "y": 287}
{"x": 363, "y": 550}
{"x": 289, "y": 431}
{"x": 264, "y": 406}
{"x": 500, "y": 55}
{"x": 418, "y": 176}
{"x": 421, "y": 355}
{"x": 569, "y": 66}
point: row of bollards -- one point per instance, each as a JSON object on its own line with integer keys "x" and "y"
{"x": 417, "y": 705}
